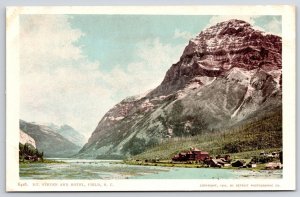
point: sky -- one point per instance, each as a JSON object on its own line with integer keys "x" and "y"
{"x": 74, "y": 68}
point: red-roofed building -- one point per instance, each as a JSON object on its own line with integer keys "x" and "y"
{"x": 193, "y": 155}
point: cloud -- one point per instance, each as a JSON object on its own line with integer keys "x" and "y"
{"x": 272, "y": 26}
{"x": 182, "y": 35}
{"x": 57, "y": 83}
{"x": 153, "y": 60}
{"x": 60, "y": 84}
{"x": 43, "y": 37}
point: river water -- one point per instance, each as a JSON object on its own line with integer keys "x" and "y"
{"x": 105, "y": 169}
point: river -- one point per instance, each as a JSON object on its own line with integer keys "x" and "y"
{"x": 106, "y": 169}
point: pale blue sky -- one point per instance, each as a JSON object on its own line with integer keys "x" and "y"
{"x": 74, "y": 68}
{"x": 112, "y": 39}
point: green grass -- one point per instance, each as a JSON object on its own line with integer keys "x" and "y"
{"x": 243, "y": 141}
{"x": 26, "y": 162}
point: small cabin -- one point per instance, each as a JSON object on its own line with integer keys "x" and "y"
{"x": 238, "y": 163}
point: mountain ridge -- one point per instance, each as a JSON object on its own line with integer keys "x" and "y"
{"x": 69, "y": 133}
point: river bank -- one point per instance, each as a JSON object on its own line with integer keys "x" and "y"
{"x": 46, "y": 161}
{"x": 75, "y": 169}
{"x": 188, "y": 165}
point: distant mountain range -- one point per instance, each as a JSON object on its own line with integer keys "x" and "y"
{"x": 227, "y": 75}
{"x": 69, "y": 133}
{"x": 49, "y": 140}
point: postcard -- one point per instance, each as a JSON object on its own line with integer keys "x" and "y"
{"x": 150, "y": 98}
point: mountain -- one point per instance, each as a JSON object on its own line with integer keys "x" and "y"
{"x": 28, "y": 151}
{"x": 49, "y": 141}
{"x": 72, "y": 135}
{"x": 69, "y": 133}
{"x": 228, "y": 75}
{"x": 26, "y": 139}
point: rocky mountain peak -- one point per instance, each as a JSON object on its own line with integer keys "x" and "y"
{"x": 218, "y": 49}
{"x": 230, "y": 27}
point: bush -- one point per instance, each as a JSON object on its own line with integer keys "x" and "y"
{"x": 262, "y": 159}
{"x": 233, "y": 147}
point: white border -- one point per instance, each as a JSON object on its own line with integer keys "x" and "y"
{"x": 288, "y": 182}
